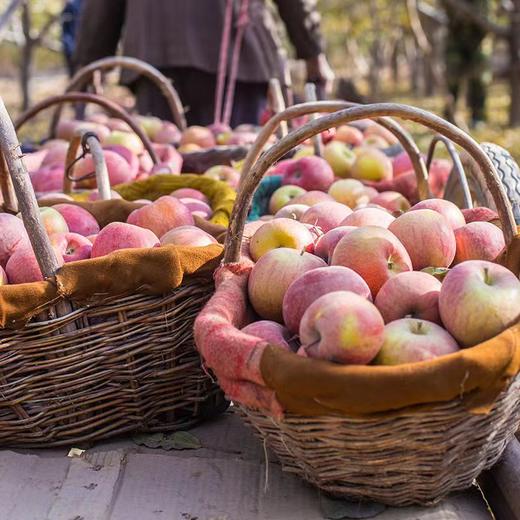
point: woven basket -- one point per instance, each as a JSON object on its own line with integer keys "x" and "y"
{"x": 86, "y": 373}
{"x": 413, "y": 455}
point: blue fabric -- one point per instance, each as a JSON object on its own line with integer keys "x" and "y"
{"x": 260, "y": 204}
{"x": 69, "y": 25}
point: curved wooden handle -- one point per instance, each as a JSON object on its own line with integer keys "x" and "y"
{"x": 263, "y": 163}
{"x": 84, "y": 76}
{"x": 301, "y": 109}
{"x": 81, "y": 97}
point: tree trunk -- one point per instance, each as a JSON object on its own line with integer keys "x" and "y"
{"x": 514, "y": 79}
{"x": 27, "y": 57}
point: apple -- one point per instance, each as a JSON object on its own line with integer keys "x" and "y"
{"x": 375, "y": 141}
{"x": 303, "y": 151}
{"x": 427, "y": 236}
{"x": 311, "y": 198}
{"x": 191, "y": 193}
{"x": 349, "y": 135}
{"x": 372, "y": 164}
{"x": 478, "y": 241}
{"x": 340, "y": 157}
{"x": 22, "y": 266}
{"x": 478, "y": 300}
{"x": 326, "y": 215}
{"x": 368, "y": 217}
{"x": 283, "y": 196}
{"x": 479, "y": 215}
{"x": 401, "y": 163}
{"x": 411, "y": 294}
{"x": 311, "y": 173}
{"x": 52, "y": 221}
{"x": 67, "y": 129}
{"x": 94, "y": 195}
{"x": 119, "y": 235}
{"x": 97, "y": 117}
{"x": 56, "y": 154}
{"x": 410, "y": 340}
{"x": 281, "y": 167}
{"x": 324, "y": 246}
{"x": 127, "y": 154}
{"x": 150, "y": 125}
{"x": 272, "y": 275}
{"x": 199, "y": 136}
{"x": 72, "y": 246}
{"x": 168, "y": 133}
{"x": 187, "y": 236}
{"x": 225, "y": 174}
{"x": 342, "y": 327}
{"x": 12, "y": 235}
{"x": 374, "y": 253}
{"x": 52, "y": 195}
{"x": 126, "y": 139}
{"x": 294, "y": 211}
{"x": 447, "y": 209}
{"x": 47, "y": 178}
{"x": 78, "y": 220}
{"x": 392, "y": 201}
{"x": 162, "y": 215}
{"x": 119, "y": 170}
{"x": 349, "y": 191}
{"x": 308, "y": 287}
{"x": 279, "y": 232}
{"x": 197, "y": 207}
{"x": 272, "y": 332}
{"x": 189, "y": 148}
{"x": 440, "y": 170}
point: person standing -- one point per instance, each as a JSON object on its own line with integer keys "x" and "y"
{"x": 182, "y": 39}
{"x": 467, "y": 60}
{"x": 69, "y": 25}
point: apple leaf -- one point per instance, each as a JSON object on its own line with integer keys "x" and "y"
{"x": 168, "y": 441}
{"x": 339, "y": 509}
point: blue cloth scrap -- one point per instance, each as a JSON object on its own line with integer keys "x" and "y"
{"x": 260, "y": 203}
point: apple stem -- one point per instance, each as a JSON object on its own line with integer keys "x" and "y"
{"x": 487, "y": 278}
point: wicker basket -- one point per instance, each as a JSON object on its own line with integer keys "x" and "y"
{"x": 412, "y": 455}
{"x": 84, "y": 373}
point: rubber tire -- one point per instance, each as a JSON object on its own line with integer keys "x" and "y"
{"x": 507, "y": 169}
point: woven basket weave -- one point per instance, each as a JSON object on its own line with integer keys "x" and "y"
{"x": 411, "y": 456}
{"x": 88, "y": 373}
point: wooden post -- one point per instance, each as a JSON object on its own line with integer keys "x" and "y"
{"x": 311, "y": 96}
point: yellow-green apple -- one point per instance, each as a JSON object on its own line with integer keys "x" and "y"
{"x": 128, "y": 155}
{"x": 187, "y": 236}
{"x": 3, "y": 277}
{"x": 198, "y": 135}
{"x": 284, "y": 196}
{"x": 162, "y": 215}
{"x": 311, "y": 173}
{"x": 340, "y": 157}
{"x": 48, "y": 178}
{"x": 311, "y": 198}
{"x": 78, "y": 220}
{"x": 94, "y": 195}
{"x": 168, "y": 133}
{"x": 412, "y": 294}
{"x": 375, "y": 141}
{"x": 478, "y": 300}
{"x": 119, "y": 170}
{"x": 280, "y": 232}
{"x": 303, "y": 151}
{"x": 374, "y": 253}
{"x": 119, "y": 235}
{"x": 349, "y": 191}
{"x": 272, "y": 332}
{"x": 52, "y": 221}
{"x": 447, "y": 209}
{"x": 479, "y": 214}
{"x": 410, "y": 340}
{"x": 348, "y": 135}
{"x": 377, "y": 130}
{"x": 191, "y": 193}
{"x": 342, "y": 327}
{"x": 150, "y": 124}
{"x": 22, "y": 266}
{"x": 225, "y": 174}
{"x": 371, "y": 164}
{"x": 392, "y": 201}
{"x": 72, "y": 246}
{"x": 326, "y": 215}
{"x": 308, "y": 287}
{"x": 197, "y": 207}
{"x": 127, "y": 139}
{"x": 12, "y": 235}
{"x": 294, "y": 211}
{"x": 478, "y": 241}
{"x": 272, "y": 275}
{"x": 368, "y": 217}
{"x": 427, "y": 236}
{"x": 324, "y": 246}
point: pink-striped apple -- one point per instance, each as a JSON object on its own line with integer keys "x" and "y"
{"x": 326, "y": 215}
{"x": 311, "y": 198}
{"x": 187, "y": 236}
{"x": 294, "y": 211}
{"x": 78, "y": 220}
{"x": 392, "y": 201}
{"x": 272, "y": 332}
{"x": 446, "y": 208}
{"x": 12, "y": 235}
{"x": 478, "y": 241}
{"x": 311, "y": 173}
{"x": 348, "y": 135}
{"x": 368, "y": 217}
{"x": 479, "y": 214}
{"x": 119, "y": 235}
{"x": 324, "y": 246}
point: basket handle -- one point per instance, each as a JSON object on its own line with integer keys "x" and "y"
{"x": 278, "y": 150}
{"x": 84, "y": 76}
{"x": 6, "y": 187}
{"x": 89, "y": 142}
{"x": 301, "y": 109}
{"x": 82, "y": 97}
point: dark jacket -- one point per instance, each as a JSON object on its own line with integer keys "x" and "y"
{"x": 187, "y": 33}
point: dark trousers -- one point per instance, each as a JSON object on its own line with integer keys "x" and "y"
{"x": 196, "y": 89}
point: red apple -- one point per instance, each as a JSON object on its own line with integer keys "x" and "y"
{"x": 12, "y": 235}
{"x": 78, "y": 220}
{"x": 324, "y": 246}
{"x": 167, "y": 134}
{"x": 118, "y": 235}
{"x": 293, "y": 211}
{"x": 411, "y": 294}
{"x": 187, "y": 236}
{"x": 374, "y": 253}
{"x": 479, "y": 215}
{"x": 368, "y": 217}
{"x": 128, "y": 155}
{"x": 446, "y": 208}
{"x": 198, "y": 135}
{"x": 392, "y": 201}
{"x": 326, "y": 215}
{"x": 478, "y": 241}
{"x": 427, "y": 236}
{"x": 72, "y": 246}
{"x": 272, "y": 332}
{"x": 311, "y": 173}
{"x": 342, "y": 327}
{"x": 409, "y": 340}
{"x": 22, "y": 266}
{"x": 349, "y": 135}
{"x": 47, "y": 178}
{"x": 479, "y": 300}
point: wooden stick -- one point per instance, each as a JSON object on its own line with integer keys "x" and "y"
{"x": 100, "y": 165}
{"x": 310, "y": 96}
{"x": 276, "y": 96}
{"x": 6, "y": 187}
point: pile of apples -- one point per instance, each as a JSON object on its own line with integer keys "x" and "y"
{"x": 75, "y": 234}
{"x": 350, "y": 275}
{"x": 124, "y": 153}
